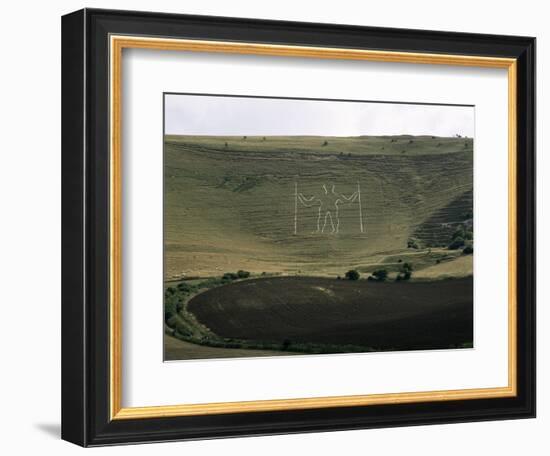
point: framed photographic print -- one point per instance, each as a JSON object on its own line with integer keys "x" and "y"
{"x": 278, "y": 227}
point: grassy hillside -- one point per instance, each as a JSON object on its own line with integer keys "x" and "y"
{"x": 230, "y": 202}
{"x": 175, "y": 349}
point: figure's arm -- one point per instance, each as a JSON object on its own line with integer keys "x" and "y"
{"x": 305, "y": 201}
{"x": 350, "y": 199}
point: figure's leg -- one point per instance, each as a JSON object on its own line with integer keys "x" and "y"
{"x": 328, "y": 218}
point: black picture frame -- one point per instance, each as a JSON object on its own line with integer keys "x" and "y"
{"x": 85, "y": 224}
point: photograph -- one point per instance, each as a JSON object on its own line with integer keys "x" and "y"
{"x": 268, "y": 224}
{"x": 316, "y": 226}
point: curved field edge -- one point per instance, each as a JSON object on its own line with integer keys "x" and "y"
{"x": 194, "y": 326}
{"x": 177, "y": 349}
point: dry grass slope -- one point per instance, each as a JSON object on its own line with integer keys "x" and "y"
{"x": 229, "y": 201}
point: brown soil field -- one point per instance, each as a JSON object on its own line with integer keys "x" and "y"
{"x": 311, "y": 310}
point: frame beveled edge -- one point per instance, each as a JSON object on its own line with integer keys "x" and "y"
{"x": 120, "y": 42}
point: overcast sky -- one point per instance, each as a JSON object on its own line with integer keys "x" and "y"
{"x": 216, "y": 115}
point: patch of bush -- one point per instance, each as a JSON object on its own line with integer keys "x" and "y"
{"x": 184, "y": 287}
{"x": 459, "y": 232}
{"x": 380, "y": 275}
{"x": 243, "y": 274}
{"x": 462, "y": 232}
{"x": 229, "y": 276}
{"x": 172, "y": 304}
{"x": 352, "y": 275}
{"x": 468, "y": 250}
{"x": 413, "y": 243}
{"x": 405, "y": 272}
{"x": 456, "y": 243}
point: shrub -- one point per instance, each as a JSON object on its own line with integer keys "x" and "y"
{"x": 171, "y": 303}
{"x": 457, "y": 243}
{"x": 352, "y": 275}
{"x": 459, "y": 232}
{"x": 230, "y": 276}
{"x": 468, "y": 250}
{"x": 243, "y": 274}
{"x": 184, "y": 287}
{"x": 325, "y": 143}
{"x": 413, "y": 243}
{"x": 380, "y": 275}
{"x": 405, "y": 272}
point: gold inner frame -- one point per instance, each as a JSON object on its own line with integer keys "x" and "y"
{"x": 117, "y": 44}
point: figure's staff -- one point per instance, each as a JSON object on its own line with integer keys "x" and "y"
{"x": 295, "y": 207}
{"x": 360, "y": 208}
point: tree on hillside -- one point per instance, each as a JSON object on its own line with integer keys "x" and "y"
{"x": 243, "y": 274}
{"x": 405, "y": 272}
{"x": 230, "y": 276}
{"x": 184, "y": 287}
{"x": 380, "y": 275}
{"x": 456, "y": 243}
{"x": 352, "y": 275}
{"x": 459, "y": 232}
{"x": 172, "y": 303}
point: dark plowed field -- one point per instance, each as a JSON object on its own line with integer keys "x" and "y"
{"x": 382, "y": 316}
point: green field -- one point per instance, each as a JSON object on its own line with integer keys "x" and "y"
{"x": 231, "y": 203}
